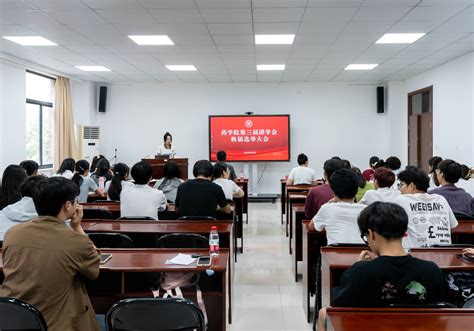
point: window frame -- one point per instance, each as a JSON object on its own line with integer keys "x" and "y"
{"x": 41, "y": 104}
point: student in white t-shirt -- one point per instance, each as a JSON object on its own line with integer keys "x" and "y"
{"x": 383, "y": 181}
{"x": 66, "y": 169}
{"x": 220, "y": 176}
{"x": 339, "y": 216}
{"x": 430, "y": 219}
{"x": 140, "y": 199}
{"x": 86, "y": 184}
{"x": 118, "y": 182}
{"x": 433, "y": 165}
{"x": 302, "y": 174}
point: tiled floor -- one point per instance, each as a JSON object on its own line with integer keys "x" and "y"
{"x": 266, "y": 295}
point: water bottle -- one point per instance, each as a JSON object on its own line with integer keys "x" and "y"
{"x": 102, "y": 183}
{"x": 241, "y": 176}
{"x": 213, "y": 242}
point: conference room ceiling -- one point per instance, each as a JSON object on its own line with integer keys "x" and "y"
{"x": 217, "y": 36}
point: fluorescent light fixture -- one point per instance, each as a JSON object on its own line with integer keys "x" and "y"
{"x": 399, "y": 38}
{"x": 360, "y": 66}
{"x": 30, "y": 40}
{"x": 274, "y": 39}
{"x": 268, "y": 67}
{"x": 152, "y": 40}
{"x": 181, "y": 67}
{"x": 93, "y": 68}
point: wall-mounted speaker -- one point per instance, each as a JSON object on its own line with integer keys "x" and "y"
{"x": 380, "y": 99}
{"x": 102, "y": 98}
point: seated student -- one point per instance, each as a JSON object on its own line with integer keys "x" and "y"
{"x": 200, "y": 196}
{"x": 170, "y": 182}
{"x": 433, "y": 165}
{"x": 430, "y": 219}
{"x": 23, "y": 210}
{"x": 95, "y": 160}
{"x": 393, "y": 163}
{"x": 368, "y": 173}
{"x": 339, "y": 216}
{"x": 364, "y": 185}
{"x": 44, "y": 261}
{"x": 12, "y": 177}
{"x": 66, "y": 169}
{"x": 103, "y": 170}
{"x": 383, "y": 181}
{"x": 31, "y": 167}
{"x": 85, "y": 183}
{"x": 392, "y": 276}
{"x": 302, "y": 174}
{"x": 119, "y": 182}
{"x": 319, "y": 195}
{"x": 220, "y": 176}
{"x": 140, "y": 199}
{"x": 222, "y": 157}
{"x": 448, "y": 173}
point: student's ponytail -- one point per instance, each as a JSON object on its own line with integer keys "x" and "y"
{"x": 82, "y": 166}
{"x": 120, "y": 173}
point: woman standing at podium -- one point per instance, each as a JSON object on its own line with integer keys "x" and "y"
{"x": 167, "y": 149}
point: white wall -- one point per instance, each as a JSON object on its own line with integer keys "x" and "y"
{"x": 453, "y": 111}
{"x": 12, "y": 115}
{"x": 327, "y": 119}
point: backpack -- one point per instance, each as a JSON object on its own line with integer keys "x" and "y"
{"x": 170, "y": 281}
{"x": 461, "y": 286}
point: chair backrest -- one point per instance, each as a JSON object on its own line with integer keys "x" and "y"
{"x": 16, "y": 314}
{"x": 196, "y": 218}
{"x": 182, "y": 240}
{"x": 155, "y": 314}
{"x": 136, "y": 218}
{"x": 464, "y": 217}
{"x": 348, "y": 245}
{"x": 98, "y": 214}
{"x": 429, "y": 305}
{"x": 111, "y": 240}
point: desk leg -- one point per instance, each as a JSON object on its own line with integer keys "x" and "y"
{"x": 291, "y": 231}
{"x": 288, "y": 208}
{"x": 122, "y": 283}
{"x": 224, "y": 303}
{"x": 306, "y": 277}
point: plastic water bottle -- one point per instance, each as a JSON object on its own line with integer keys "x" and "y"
{"x": 102, "y": 183}
{"x": 241, "y": 176}
{"x": 213, "y": 242}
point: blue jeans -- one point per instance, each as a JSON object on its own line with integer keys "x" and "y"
{"x": 101, "y": 320}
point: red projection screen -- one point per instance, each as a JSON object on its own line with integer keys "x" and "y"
{"x": 250, "y": 138}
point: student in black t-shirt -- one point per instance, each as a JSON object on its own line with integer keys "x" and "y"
{"x": 392, "y": 276}
{"x": 200, "y": 196}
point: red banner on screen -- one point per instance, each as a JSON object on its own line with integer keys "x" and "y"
{"x": 250, "y": 138}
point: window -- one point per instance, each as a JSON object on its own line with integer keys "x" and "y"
{"x": 39, "y": 119}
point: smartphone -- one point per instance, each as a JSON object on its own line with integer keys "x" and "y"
{"x": 104, "y": 258}
{"x": 466, "y": 258}
{"x": 204, "y": 261}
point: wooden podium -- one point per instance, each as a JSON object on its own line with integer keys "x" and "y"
{"x": 159, "y": 164}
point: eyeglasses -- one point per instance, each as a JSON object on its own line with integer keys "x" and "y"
{"x": 364, "y": 239}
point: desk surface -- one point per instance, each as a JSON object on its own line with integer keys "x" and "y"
{"x": 445, "y": 258}
{"x": 394, "y": 319}
{"x": 130, "y": 226}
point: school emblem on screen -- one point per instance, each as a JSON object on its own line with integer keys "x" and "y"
{"x": 248, "y": 123}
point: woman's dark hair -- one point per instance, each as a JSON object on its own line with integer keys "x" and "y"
{"x": 393, "y": 163}
{"x": 10, "y": 193}
{"x": 141, "y": 172}
{"x": 103, "y": 167}
{"x": 380, "y": 164}
{"x": 202, "y": 168}
{"x": 451, "y": 170}
{"x": 96, "y": 159}
{"x": 81, "y": 167}
{"x": 170, "y": 171}
{"x": 346, "y": 163}
{"x": 67, "y": 164}
{"x": 360, "y": 179}
{"x": 167, "y": 134}
{"x": 433, "y": 163}
{"x": 387, "y": 219}
{"x": 28, "y": 186}
{"x": 121, "y": 171}
{"x": 373, "y": 161}
{"x": 465, "y": 172}
{"x": 343, "y": 182}
{"x": 30, "y": 166}
{"x": 218, "y": 170}
{"x": 415, "y": 175}
{"x": 384, "y": 177}
{"x": 52, "y": 193}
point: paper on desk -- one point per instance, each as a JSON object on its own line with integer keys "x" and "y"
{"x": 181, "y": 259}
